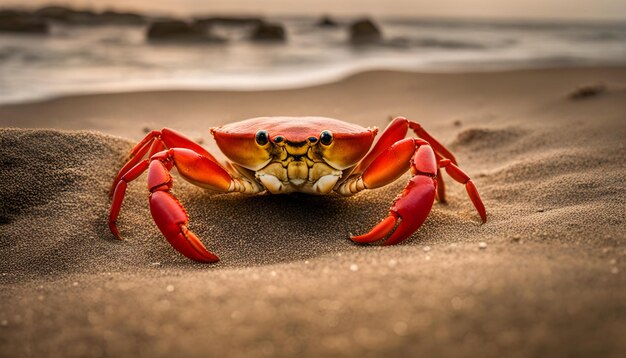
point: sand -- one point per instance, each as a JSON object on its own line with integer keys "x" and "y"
{"x": 545, "y": 276}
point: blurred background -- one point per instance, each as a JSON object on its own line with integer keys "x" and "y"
{"x": 543, "y": 277}
{"x": 74, "y": 47}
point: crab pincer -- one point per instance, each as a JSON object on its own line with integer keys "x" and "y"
{"x": 171, "y": 217}
{"x": 413, "y": 205}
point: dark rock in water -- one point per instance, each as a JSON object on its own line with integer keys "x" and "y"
{"x": 88, "y": 17}
{"x": 327, "y": 21}
{"x": 365, "y": 31}
{"x": 172, "y": 29}
{"x": 59, "y": 13}
{"x": 229, "y": 21}
{"x": 67, "y": 15}
{"x": 22, "y": 22}
{"x": 176, "y": 30}
{"x": 269, "y": 32}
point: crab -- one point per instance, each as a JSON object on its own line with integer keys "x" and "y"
{"x": 280, "y": 155}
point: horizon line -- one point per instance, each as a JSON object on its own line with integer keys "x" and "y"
{"x": 288, "y": 14}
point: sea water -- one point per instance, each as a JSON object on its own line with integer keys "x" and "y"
{"x": 93, "y": 59}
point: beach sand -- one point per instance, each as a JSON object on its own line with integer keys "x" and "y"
{"x": 545, "y": 276}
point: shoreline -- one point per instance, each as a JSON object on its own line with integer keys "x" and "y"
{"x": 328, "y": 77}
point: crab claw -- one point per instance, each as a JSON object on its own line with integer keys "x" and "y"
{"x": 411, "y": 207}
{"x": 379, "y": 231}
{"x": 171, "y": 219}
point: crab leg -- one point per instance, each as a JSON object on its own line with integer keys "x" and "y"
{"x": 396, "y": 131}
{"x": 460, "y": 176}
{"x": 120, "y": 191}
{"x": 168, "y": 213}
{"x": 156, "y": 141}
{"x": 438, "y": 147}
{"x": 137, "y": 155}
{"x": 441, "y": 185}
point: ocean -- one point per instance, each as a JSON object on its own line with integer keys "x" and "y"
{"x": 93, "y": 59}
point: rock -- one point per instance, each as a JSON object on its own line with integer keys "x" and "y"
{"x": 269, "y": 32}
{"x": 88, "y": 17}
{"x": 67, "y": 15}
{"x": 327, "y": 21}
{"x": 22, "y": 22}
{"x": 169, "y": 29}
{"x": 588, "y": 91}
{"x": 365, "y": 31}
{"x": 59, "y": 13}
{"x": 176, "y": 30}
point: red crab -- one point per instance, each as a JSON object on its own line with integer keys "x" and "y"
{"x": 313, "y": 155}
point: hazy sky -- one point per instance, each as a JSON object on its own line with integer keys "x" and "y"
{"x": 499, "y": 9}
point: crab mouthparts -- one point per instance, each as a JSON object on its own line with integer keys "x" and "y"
{"x": 298, "y": 172}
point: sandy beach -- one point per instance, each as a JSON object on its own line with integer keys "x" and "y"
{"x": 545, "y": 276}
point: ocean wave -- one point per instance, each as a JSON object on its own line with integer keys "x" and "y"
{"x": 84, "y": 58}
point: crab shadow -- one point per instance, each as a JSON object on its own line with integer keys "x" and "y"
{"x": 262, "y": 229}
{"x": 269, "y": 229}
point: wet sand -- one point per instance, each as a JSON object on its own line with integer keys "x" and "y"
{"x": 544, "y": 277}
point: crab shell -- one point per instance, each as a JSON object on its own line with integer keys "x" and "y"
{"x": 349, "y": 145}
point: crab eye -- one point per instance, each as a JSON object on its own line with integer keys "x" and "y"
{"x": 262, "y": 138}
{"x": 312, "y": 139}
{"x": 279, "y": 139}
{"x": 326, "y": 137}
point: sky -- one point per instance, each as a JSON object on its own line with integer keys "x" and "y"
{"x": 489, "y": 9}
